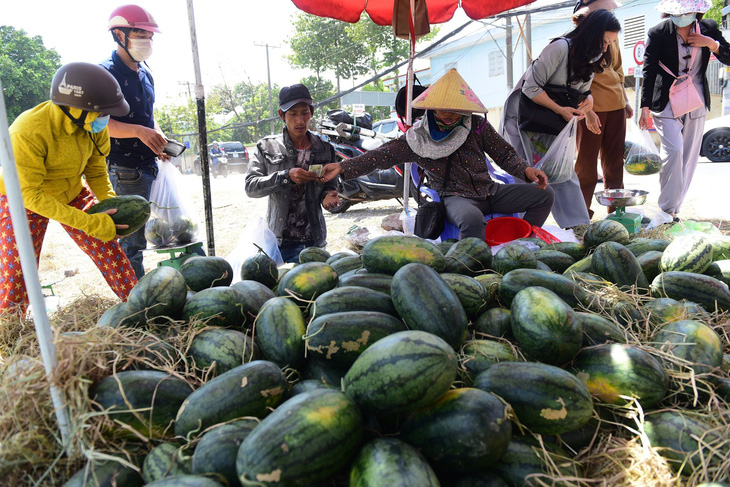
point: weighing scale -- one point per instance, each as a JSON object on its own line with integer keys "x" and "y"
{"x": 178, "y": 253}
{"x": 620, "y": 199}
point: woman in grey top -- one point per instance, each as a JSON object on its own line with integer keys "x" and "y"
{"x": 582, "y": 49}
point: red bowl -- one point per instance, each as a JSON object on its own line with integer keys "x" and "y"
{"x": 505, "y": 229}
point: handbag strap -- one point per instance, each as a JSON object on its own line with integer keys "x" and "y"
{"x": 446, "y": 179}
{"x": 691, "y": 60}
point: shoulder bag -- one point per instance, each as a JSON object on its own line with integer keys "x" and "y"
{"x": 533, "y": 117}
{"x": 431, "y": 216}
{"x": 683, "y": 94}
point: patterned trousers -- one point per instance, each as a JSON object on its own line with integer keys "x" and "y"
{"x": 107, "y": 256}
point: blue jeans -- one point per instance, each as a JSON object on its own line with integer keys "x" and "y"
{"x": 290, "y": 250}
{"x": 129, "y": 180}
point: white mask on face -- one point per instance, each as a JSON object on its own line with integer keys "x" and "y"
{"x": 140, "y": 49}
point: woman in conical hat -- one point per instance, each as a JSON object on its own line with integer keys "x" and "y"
{"x": 450, "y": 143}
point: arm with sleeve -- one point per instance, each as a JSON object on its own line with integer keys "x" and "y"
{"x": 259, "y": 182}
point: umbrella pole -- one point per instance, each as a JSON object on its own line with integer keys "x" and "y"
{"x": 30, "y": 274}
{"x": 409, "y": 95}
{"x": 203, "y": 133}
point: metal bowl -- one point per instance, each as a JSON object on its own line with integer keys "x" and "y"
{"x": 621, "y": 197}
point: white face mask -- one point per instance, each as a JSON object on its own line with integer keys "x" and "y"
{"x": 140, "y": 49}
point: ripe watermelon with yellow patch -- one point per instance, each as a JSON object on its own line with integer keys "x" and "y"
{"x": 643, "y": 164}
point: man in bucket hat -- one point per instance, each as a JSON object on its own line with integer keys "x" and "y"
{"x": 450, "y": 139}
{"x": 280, "y": 170}
{"x": 679, "y": 47}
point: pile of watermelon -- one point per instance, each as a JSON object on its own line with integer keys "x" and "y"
{"x": 180, "y": 231}
{"x": 415, "y": 364}
{"x": 641, "y": 161}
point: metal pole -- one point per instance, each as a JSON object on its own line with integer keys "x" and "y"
{"x": 203, "y": 132}
{"x": 508, "y": 50}
{"x": 409, "y": 95}
{"x": 30, "y": 274}
{"x": 271, "y": 105}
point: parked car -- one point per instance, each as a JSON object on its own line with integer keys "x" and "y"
{"x": 388, "y": 128}
{"x": 716, "y": 139}
{"x": 235, "y": 152}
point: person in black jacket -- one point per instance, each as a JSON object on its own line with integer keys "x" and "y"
{"x": 678, "y": 46}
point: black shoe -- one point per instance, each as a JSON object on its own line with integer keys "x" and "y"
{"x": 676, "y": 219}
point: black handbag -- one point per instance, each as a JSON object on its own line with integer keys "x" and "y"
{"x": 533, "y": 117}
{"x": 431, "y": 216}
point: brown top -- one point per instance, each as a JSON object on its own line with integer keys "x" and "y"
{"x": 468, "y": 176}
{"x": 607, "y": 87}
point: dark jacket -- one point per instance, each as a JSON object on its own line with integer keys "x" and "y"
{"x": 268, "y": 175}
{"x": 662, "y": 46}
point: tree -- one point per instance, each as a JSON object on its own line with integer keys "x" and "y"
{"x": 320, "y": 89}
{"x": 714, "y": 11}
{"x": 26, "y": 70}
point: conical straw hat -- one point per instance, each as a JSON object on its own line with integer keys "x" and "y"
{"x": 450, "y": 93}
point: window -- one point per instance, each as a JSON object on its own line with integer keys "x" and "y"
{"x": 496, "y": 63}
{"x": 634, "y": 31}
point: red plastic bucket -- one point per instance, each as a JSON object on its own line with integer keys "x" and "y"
{"x": 505, "y": 229}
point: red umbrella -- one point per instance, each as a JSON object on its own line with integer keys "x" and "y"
{"x": 381, "y": 12}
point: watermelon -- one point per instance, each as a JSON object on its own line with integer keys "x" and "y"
{"x": 567, "y": 289}
{"x": 377, "y": 282}
{"x": 166, "y": 460}
{"x": 391, "y": 462}
{"x": 303, "y": 442}
{"x": 445, "y": 245}
{"x": 313, "y": 254}
{"x": 639, "y": 246}
{"x": 576, "y": 250}
{"x": 465, "y": 431}
{"x": 478, "y": 355}
{"x": 307, "y": 281}
{"x": 598, "y": 330}
{"x": 260, "y": 268}
{"x": 116, "y": 316}
{"x": 279, "y": 329}
{"x": 186, "y": 481}
{"x": 542, "y": 266}
{"x": 693, "y": 342}
{"x": 157, "y": 232}
{"x": 614, "y": 370}
{"x": 216, "y": 452}
{"x": 426, "y": 302}
{"x": 582, "y": 265}
{"x": 342, "y": 337}
{"x": 98, "y": 473}
{"x": 217, "y": 306}
{"x": 545, "y": 327}
{"x": 339, "y": 255}
{"x": 472, "y": 295}
{"x": 255, "y": 295}
{"x": 324, "y": 372}
{"x": 554, "y": 259}
{"x": 643, "y": 163}
{"x": 184, "y": 229}
{"x": 545, "y": 398}
{"x": 353, "y": 298}
{"x": 205, "y": 272}
{"x": 615, "y": 263}
{"x": 159, "y": 293}
{"x": 720, "y": 270}
{"x": 687, "y": 253}
{"x": 687, "y": 443}
{"x": 650, "y": 264}
{"x": 402, "y": 372}
{"x": 251, "y": 389}
{"x": 526, "y": 462}
{"x": 469, "y": 256}
{"x": 706, "y": 291}
{"x": 665, "y": 310}
{"x": 514, "y": 256}
{"x": 605, "y": 231}
{"x": 389, "y": 253}
{"x": 227, "y": 349}
{"x": 306, "y": 385}
{"x": 720, "y": 248}
{"x": 496, "y": 322}
{"x": 347, "y": 264}
{"x": 491, "y": 283}
{"x": 145, "y": 400}
{"x": 132, "y": 210}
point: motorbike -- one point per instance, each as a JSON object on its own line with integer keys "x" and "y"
{"x": 219, "y": 165}
{"x": 350, "y": 141}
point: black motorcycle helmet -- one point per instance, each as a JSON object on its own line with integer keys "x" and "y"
{"x": 88, "y": 87}
{"x": 400, "y": 103}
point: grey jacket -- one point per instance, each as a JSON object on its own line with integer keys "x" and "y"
{"x": 268, "y": 175}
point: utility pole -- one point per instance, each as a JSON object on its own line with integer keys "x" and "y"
{"x": 508, "y": 50}
{"x": 268, "y": 74}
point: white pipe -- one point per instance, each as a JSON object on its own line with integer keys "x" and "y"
{"x": 409, "y": 94}
{"x": 30, "y": 272}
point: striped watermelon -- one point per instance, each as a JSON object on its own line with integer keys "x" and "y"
{"x": 313, "y": 254}
{"x": 615, "y": 263}
{"x": 377, "y": 282}
{"x": 706, "y": 291}
{"x": 478, "y": 355}
{"x": 159, "y": 293}
{"x": 598, "y": 330}
{"x": 279, "y": 329}
{"x": 307, "y": 281}
{"x": 204, "y": 272}
{"x": 469, "y": 256}
{"x": 472, "y": 295}
{"x": 687, "y": 253}
{"x": 166, "y": 460}
{"x": 227, "y": 349}
{"x": 556, "y": 260}
{"x": 693, "y": 342}
{"x": 720, "y": 248}
{"x": 251, "y": 389}
{"x": 389, "y": 253}
{"x": 526, "y": 463}
{"x": 514, "y": 256}
{"x": 402, "y": 372}
{"x": 391, "y": 462}
{"x": 664, "y": 310}
{"x": 217, "y": 449}
{"x": 185, "y": 481}
{"x": 132, "y": 210}
{"x": 546, "y": 399}
{"x": 614, "y": 370}
{"x": 303, "y": 442}
{"x": 650, "y": 263}
{"x": 106, "y": 472}
{"x": 465, "y": 431}
{"x": 496, "y": 322}
{"x": 261, "y": 268}
{"x": 217, "y": 306}
{"x": 353, "y": 298}
{"x": 639, "y": 246}
{"x": 605, "y": 231}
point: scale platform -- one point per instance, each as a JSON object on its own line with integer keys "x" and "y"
{"x": 178, "y": 253}
{"x": 620, "y": 199}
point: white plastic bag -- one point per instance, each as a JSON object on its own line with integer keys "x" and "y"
{"x": 172, "y": 220}
{"x": 559, "y": 160}
{"x": 641, "y": 155}
{"x": 256, "y": 234}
